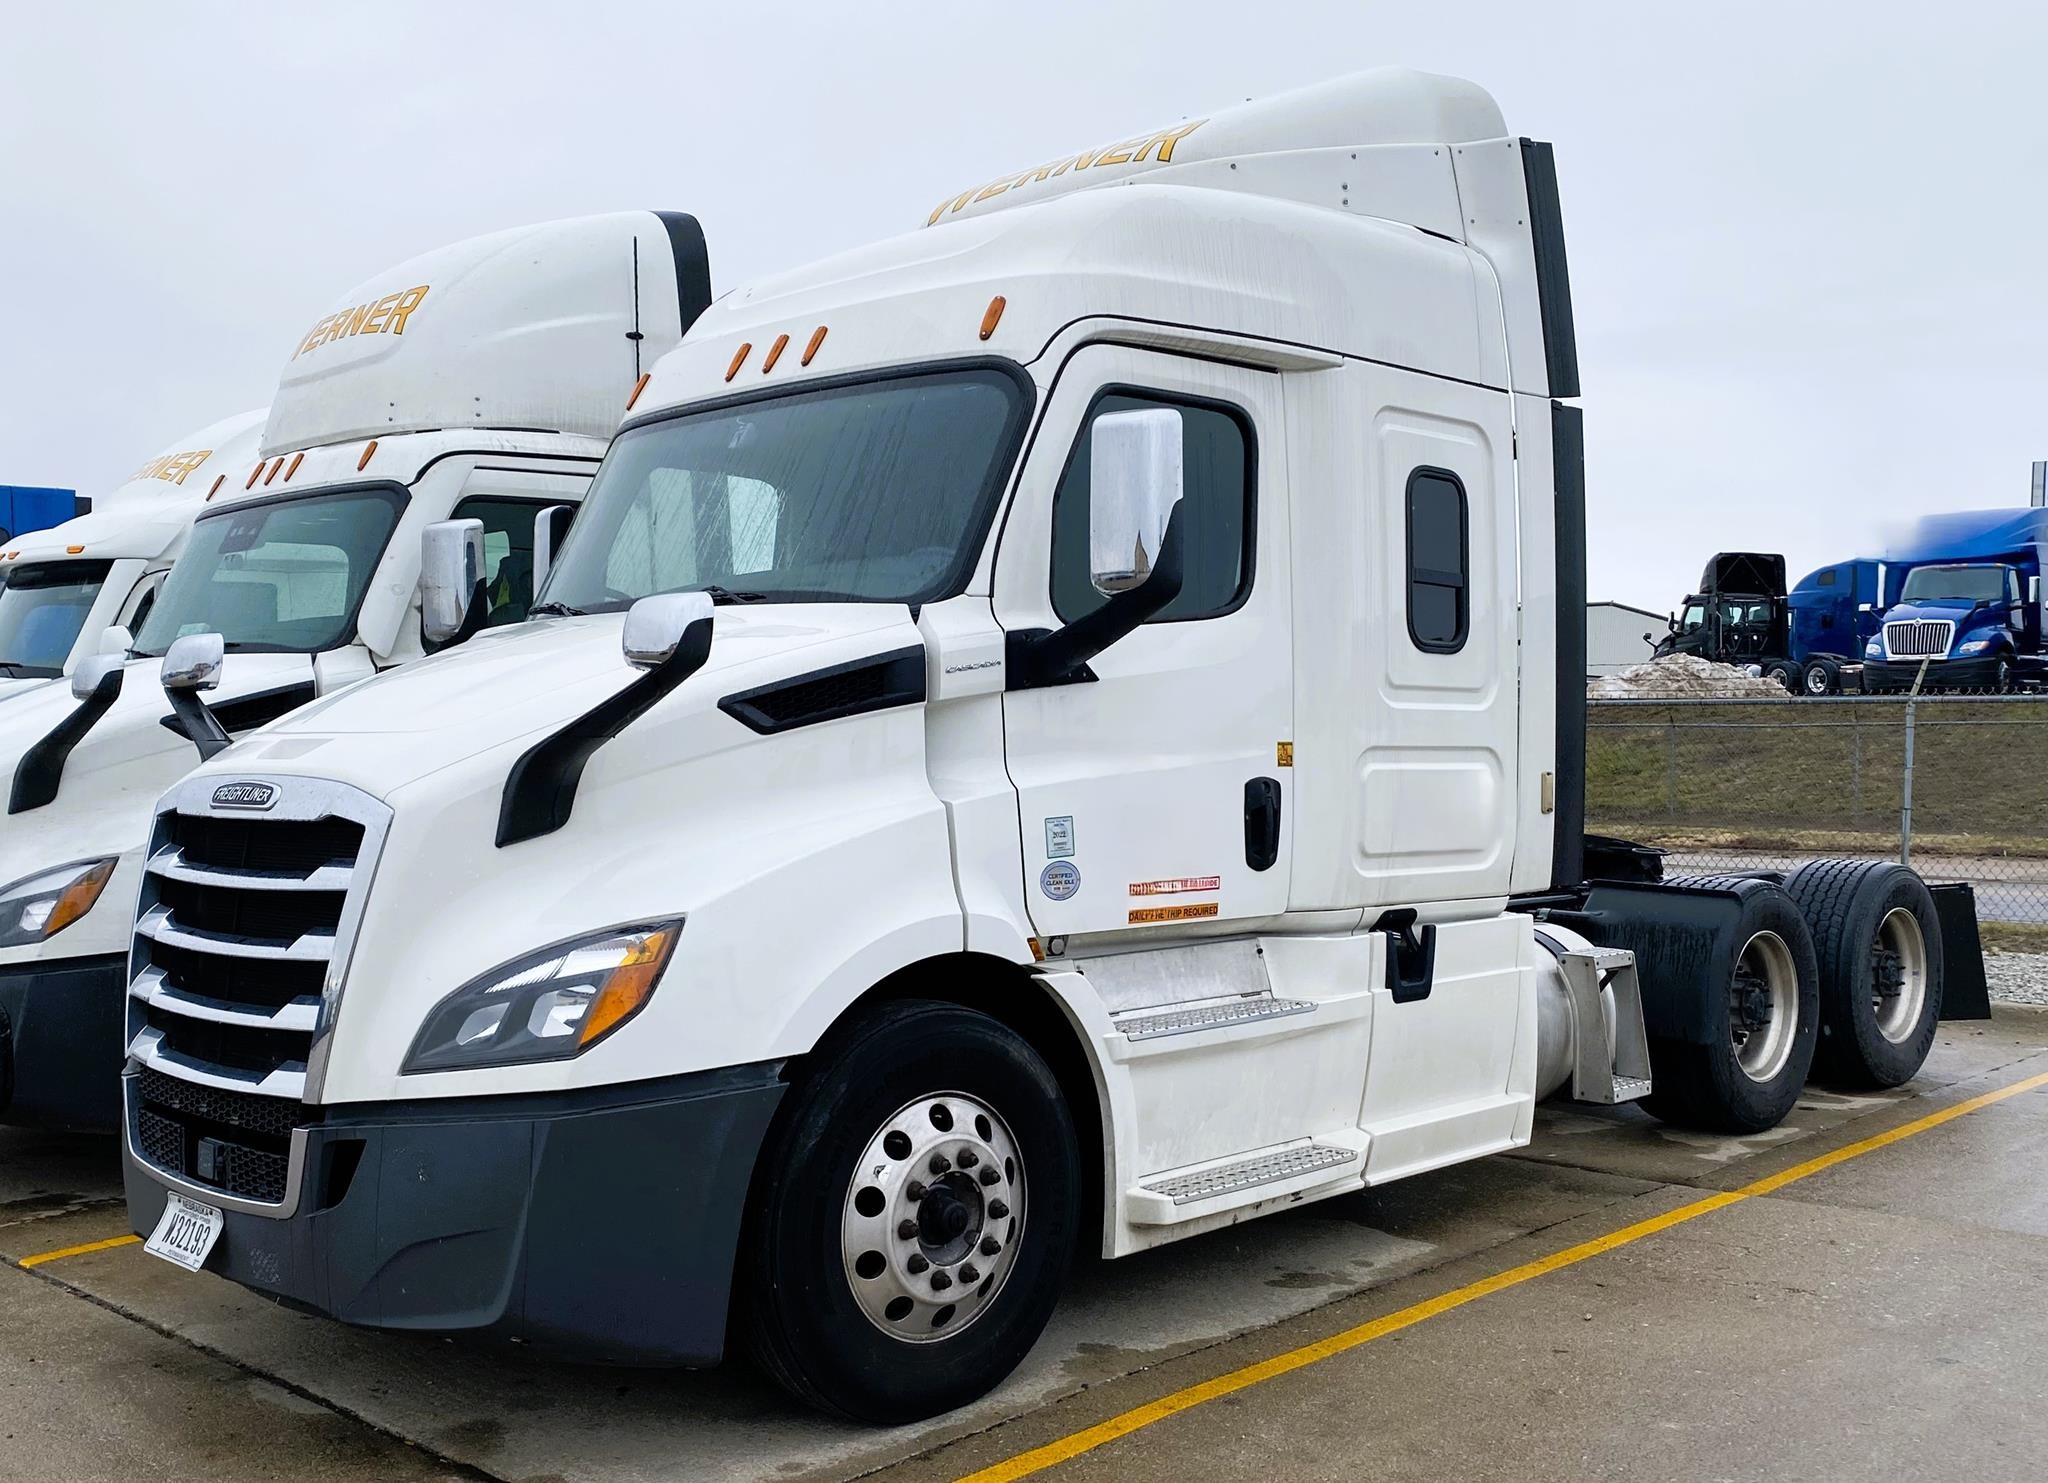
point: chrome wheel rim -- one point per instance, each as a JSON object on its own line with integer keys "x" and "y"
{"x": 932, "y": 1218}
{"x": 1898, "y": 975}
{"x": 1816, "y": 682}
{"x": 1763, "y": 1006}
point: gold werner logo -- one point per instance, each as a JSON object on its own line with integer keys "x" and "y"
{"x": 380, "y": 317}
{"x": 173, "y": 468}
{"x": 1130, "y": 151}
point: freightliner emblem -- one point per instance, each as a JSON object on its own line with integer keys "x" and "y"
{"x": 245, "y": 795}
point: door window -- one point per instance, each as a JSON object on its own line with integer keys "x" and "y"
{"x": 508, "y": 553}
{"x": 1216, "y": 511}
{"x": 1439, "y": 561}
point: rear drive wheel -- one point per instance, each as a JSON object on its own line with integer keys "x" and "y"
{"x": 1761, "y": 1024}
{"x": 1784, "y": 674}
{"x": 1878, "y": 942}
{"x": 1820, "y": 678}
{"x": 914, "y": 1216}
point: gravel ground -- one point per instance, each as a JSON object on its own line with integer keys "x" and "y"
{"x": 2017, "y": 978}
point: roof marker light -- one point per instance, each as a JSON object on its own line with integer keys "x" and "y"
{"x": 250, "y": 482}
{"x": 739, "y": 358}
{"x": 297, "y": 458}
{"x": 817, "y": 339}
{"x": 993, "y": 317}
{"x": 368, "y": 449}
{"x": 273, "y": 471}
{"x": 218, "y": 481}
{"x": 638, "y": 387}
{"x": 774, "y": 353}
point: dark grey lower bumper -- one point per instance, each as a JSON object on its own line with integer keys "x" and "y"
{"x": 599, "y": 1224}
{"x": 60, "y": 1043}
{"x": 1942, "y": 674}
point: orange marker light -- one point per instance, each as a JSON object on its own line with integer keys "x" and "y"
{"x": 774, "y": 353}
{"x": 74, "y": 550}
{"x": 993, "y": 317}
{"x": 362, "y": 462}
{"x": 739, "y": 358}
{"x": 297, "y": 458}
{"x": 250, "y": 483}
{"x": 817, "y": 339}
{"x": 218, "y": 481}
{"x": 638, "y": 387}
{"x": 273, "y": 470}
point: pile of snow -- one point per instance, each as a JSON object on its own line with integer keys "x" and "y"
{"x": 1682, "y": 675}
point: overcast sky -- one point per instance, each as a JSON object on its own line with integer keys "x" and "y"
{"x": 1808, "y": 242}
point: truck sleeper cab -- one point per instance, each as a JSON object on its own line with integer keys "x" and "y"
{"x": 1080, "y": 770}
{"x": 489, "y": 405}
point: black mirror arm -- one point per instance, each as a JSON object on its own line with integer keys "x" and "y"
{"x": 197, "y": 724}
{"x": 1038, "y": 658}
{"x": 41, "y": 769}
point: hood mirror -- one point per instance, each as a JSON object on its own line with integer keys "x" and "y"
{"x": 115, "y": 639}
{"x": 1134, "y": 483}
{"x": 655, "y": 626}
{"x": 451, "y": 572}
{"x": 89, "y": 671}
{"x": 550, "y": 527}
{"x": 194, "y": 662}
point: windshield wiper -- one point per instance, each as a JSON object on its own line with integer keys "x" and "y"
{"x": 553, "y": 610}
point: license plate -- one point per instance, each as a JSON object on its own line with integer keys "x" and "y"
{"x": 186, "y": 1233}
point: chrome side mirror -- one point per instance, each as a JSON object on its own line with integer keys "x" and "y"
{"x": 115, "y": 639}
{"x": 89, "y": 671}
{"x": 1134, "y": 482}
{"x": 194, "y": 662}
{"x": 655, "y": 626}
{"x": 451, "y": 566}
{"x": 549, "y": 528}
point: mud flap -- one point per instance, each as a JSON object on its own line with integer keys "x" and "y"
{"x": 1964, "y": 994}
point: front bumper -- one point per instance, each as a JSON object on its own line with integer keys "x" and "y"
{"x": 60, "y": 1042}
{"x": 601, "y": 1224}
{"x": 1942, "y": 674}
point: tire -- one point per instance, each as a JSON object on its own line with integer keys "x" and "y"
{"x": 841, "y": 1294}
{"x": 2001, "y": 682}
{"x": 1820, "y": 678}
{"x": 1784, "y": 674}
{"x": 1879, "y": 1007}
{"x": 1746, "y": 1079}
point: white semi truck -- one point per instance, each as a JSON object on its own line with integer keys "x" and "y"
{"x": 478, "y": 384}
{"x": 62, "y": 588}
{"x": 1059, "y": 729}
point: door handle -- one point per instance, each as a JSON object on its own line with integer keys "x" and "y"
{"x": 1261, "y": 823}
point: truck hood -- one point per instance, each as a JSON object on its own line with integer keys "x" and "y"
{"x": 526, "y": 681}
{"x": 9, "y": 688}
{"x": 1956, "y": 610}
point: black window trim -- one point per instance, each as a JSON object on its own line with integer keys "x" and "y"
{"x": 1461, "y": 582}
{"x": 1238, "y": 413}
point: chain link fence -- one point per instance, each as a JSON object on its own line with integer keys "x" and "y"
{"x": 1956, "y": 786}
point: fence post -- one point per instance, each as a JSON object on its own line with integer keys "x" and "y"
{"x": 1906, "y": 782}
{"x": 1671, "y": 765}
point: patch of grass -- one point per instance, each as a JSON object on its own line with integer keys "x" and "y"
{"x": 2013, "y": 937}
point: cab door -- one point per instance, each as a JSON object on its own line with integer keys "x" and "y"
{"x": 1154, "y": 796}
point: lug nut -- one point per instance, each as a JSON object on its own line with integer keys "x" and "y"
{"x": 917, "y": 1263}
{"x": 940, "y": 1282}
{"x": 940, "y": 1163}
{"x": 990, "y": 1246}
{"x": 915, "y": 1190}
{"x": 998, "y": 1210}
{"x": 969, "y": 1275}
{"x": 906, "y": 1230}
{"x": 991, "y": 1176}
{"x": 967, "y": 1158}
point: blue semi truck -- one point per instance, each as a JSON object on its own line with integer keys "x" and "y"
{"x": 25, "y": 507}
{"x": 1960, "y": 594}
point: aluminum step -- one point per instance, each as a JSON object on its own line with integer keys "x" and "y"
{"x": 1250, "y": 1173}
{"x": 1211, "y": 1016}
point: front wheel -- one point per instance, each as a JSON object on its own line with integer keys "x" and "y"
{"x": 914, "y": 1216}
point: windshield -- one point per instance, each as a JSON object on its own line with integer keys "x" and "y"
{"x": 284, "y": 577}
{"x": 42, "y": 609}
{"x": 876, "y": 492}
{"x": 1954, "y": 583}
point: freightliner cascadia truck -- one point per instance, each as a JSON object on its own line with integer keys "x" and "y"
{"x": 62, "y": 588}
{"x": 464, "y": 397}
{"x": 1051, "y": 731}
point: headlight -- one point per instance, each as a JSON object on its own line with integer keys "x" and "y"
{"x": 1873, "y": 650}
{"x": 549, "y": 1005}
{"x": 44, "y": 905}
{"x": 1974, "y": 646}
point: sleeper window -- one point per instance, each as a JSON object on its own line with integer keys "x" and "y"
{"x": 1216, "y": 512}
{"x": 1439, "y": 558}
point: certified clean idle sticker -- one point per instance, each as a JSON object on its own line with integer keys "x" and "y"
{"x": 1059, "y": 837}
{"x": 1059, "y": 880}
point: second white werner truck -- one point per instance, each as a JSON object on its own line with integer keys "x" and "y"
{"x": 476, "y": 384}
{"x": 1054, "y": 729}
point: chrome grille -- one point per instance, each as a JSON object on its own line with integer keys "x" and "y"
{"x": 1916, "y": 638}
{"x": 241, "y": 941}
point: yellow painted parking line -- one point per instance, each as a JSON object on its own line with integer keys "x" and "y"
{"x": 63, "y": 1251}
{"x": 1038, "y": 1459}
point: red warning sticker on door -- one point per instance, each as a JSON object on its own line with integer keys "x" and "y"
{"x": 1178, "y": 885}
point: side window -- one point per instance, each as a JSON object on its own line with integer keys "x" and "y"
{"x": 508, "y": 553}
{"x": 1825, "y": 579}
{"x": 1439, "y": 559}
{"x": 1216, "y": 512}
